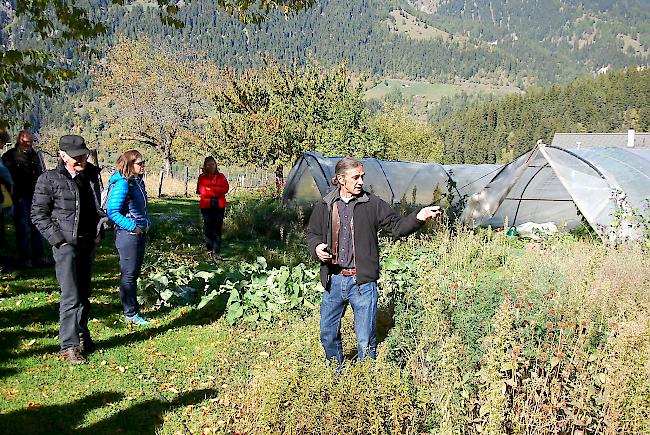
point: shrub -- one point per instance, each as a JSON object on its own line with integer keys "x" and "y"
{"x": 299, "y": 392}
{"x": 257, "y": 217}
{"x": 627, "y": 382}
{"x": 503, "y": 337}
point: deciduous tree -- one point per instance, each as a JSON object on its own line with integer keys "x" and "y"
{"x": 407, "y": 138}
{"x": 155, "y": 96}
{"x": 269, "y": 116}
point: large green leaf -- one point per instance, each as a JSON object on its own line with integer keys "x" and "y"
{"x": 234, "y": 297}
{"x": 262, "y": 262}
{"x": 205, "y": 300}
{"x": 392, "y": 264}
{"x": 252, "y": 317}
{"x": 235, "y": 311}
{"x": 204, "y": 274}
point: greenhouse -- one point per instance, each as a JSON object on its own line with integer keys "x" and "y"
{"x": 396, "y": 182}
{"x": 554, "y": 184}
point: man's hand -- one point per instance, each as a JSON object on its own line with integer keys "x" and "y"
{"x": 428, "y": 213}
{"x": 321, "y": 254}
{"x": 137, "y": 230}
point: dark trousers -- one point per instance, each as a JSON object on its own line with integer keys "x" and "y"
{"x": 212, "y": 225}
{"x": 26, "y": 232}
{"x": 3, "y": 245}
{"x": 3, "y": 240}
{"x": 130, "y": 246}
{"x": 73, "y": 271}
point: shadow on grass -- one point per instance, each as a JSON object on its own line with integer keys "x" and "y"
{"x": 10, "y": 345}
{"x": 10, "y": 340}
{"x": 142, "y": 418}
{"x": 194, "y": 317}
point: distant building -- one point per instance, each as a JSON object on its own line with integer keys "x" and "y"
{"x": 631, "y": 139}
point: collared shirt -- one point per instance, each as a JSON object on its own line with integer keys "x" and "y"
{"x": 346, "y": 243}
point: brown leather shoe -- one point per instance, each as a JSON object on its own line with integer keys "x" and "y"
{"x": 73, "y": 355}
{"x": 87, "y": 346}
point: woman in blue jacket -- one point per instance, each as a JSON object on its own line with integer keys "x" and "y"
{"x": 127, "y": 207}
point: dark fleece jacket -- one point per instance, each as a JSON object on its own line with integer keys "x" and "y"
{"x": 369, "y": 215}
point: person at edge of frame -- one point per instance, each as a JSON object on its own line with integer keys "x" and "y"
{"x": 6, "y": 184}
{"x": 343, "y": 234}
{"x": 66, "y": 211}
{"x": 25, "y": 167}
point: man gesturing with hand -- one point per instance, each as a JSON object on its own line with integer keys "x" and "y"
{"x": 343, "y": 235}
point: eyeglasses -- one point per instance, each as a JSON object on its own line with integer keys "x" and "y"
{"x": 140, "y": 163}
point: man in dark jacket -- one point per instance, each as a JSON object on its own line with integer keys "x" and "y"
{"x": 342, "y": 234}
{"x": 25, "y": 167}
{"x": 66, "y": 210}
{"x": 7, "y": 184}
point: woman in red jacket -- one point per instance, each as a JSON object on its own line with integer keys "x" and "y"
{"x": 212, "y": 187}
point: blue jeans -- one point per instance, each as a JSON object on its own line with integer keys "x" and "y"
{"x": 26, "y": 232}
{"x": 130, "y": 246}
{"x": 363, "y": 299}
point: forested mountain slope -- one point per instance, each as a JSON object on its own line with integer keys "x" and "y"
{"x": 558, "y": 38}
{"x": 505, "y": 128}
{"x": 517, "y": 41}
{"x": 520, "y": 42}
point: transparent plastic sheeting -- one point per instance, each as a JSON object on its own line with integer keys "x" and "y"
{"x": 552, "y": 184}
{"x": 393, "y": 181}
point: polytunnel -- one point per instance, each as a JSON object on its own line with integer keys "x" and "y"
{"x": 396, "y": 182}
{"x": 559, "y": 185}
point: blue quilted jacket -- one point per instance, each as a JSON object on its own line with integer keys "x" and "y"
{"x": 127, "y": 203}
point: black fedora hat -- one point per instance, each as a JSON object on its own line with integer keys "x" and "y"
{"x": 73, "y": 145}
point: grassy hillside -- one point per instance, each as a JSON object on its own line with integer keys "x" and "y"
{"x": 426, "y": 92}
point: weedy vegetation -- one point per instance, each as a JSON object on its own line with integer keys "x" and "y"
{"x": 480, "y": 333}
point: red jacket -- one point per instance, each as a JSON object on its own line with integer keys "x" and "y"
{"x": 212, "y": 186}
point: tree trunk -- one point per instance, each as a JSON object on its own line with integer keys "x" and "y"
{"x": 187, "y": 178}
{"x": 94, "y": 159}
{"x": 168, "y": 166}
{"x": 160, "y": 182}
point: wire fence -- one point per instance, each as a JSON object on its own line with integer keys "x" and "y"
{"x": 182, "y": 180}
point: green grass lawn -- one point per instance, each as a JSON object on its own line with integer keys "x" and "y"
{"x": 142, "y": 379}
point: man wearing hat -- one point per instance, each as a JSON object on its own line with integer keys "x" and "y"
{"x": 66, "y": 211}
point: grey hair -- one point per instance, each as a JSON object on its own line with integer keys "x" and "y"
{"x": 344, "y": 165}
